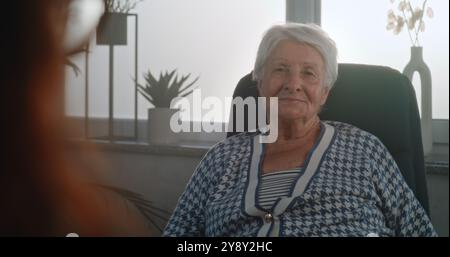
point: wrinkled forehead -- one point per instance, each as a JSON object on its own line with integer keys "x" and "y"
{"x": 290, "y": 52}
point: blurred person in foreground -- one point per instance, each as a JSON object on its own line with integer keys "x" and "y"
{"x": 44, "y": 191}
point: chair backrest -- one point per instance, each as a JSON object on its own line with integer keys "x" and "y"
{"x": 379, "y": 100}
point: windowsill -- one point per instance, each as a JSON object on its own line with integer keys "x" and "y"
{"x": 182, "y": 148}
{"x": 436, "y": 169}
{"x": 197, "y": 144}
{"x": 436, "y": 163}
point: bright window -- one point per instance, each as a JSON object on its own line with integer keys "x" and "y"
{"x": 359, "y": 29}
{"x": 215, "y": 40}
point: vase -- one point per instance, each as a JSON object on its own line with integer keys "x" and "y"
{"x": 417, "y": 64}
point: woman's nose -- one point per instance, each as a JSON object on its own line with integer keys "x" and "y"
{"x": 293, "y": 82}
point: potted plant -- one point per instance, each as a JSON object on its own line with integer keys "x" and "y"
{"x": 160, "y": 93}
{"x": 112, "y": 28}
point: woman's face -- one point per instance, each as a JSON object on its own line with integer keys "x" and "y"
{"x": 295, "y": 74}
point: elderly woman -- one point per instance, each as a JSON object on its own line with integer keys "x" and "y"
{"x": 319, "y": 178}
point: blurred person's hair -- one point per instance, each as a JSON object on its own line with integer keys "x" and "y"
{"x": 42, "y": 190}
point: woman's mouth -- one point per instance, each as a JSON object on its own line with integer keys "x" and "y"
{"x": 291, "y": 99}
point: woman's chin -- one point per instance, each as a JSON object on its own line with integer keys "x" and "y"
{"x": 291, "y": 116}
{"x": 286, "y": 111}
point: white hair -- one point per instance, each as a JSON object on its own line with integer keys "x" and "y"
{"x": 309, "y": 34}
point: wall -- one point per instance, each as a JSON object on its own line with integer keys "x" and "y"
{"x": 438, "y": 195}
{"x": 159, "y": 178}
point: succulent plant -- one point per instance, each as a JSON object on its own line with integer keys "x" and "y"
{"x": 160, "y": 92}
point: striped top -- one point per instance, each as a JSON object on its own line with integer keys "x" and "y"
{"x": 276, "y": 185}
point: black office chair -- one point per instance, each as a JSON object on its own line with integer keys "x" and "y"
{"x": 379, "y": 100}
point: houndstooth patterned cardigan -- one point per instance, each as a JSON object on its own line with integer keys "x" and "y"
{"x": 351, "y": 186}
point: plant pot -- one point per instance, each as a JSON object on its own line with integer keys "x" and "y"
{"x": 112, "y": 29}
{"x": 158, "y": 127}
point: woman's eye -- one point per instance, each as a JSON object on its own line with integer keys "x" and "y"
{"x": 309, "y": 73}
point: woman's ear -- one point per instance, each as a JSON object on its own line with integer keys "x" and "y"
{"x": 325, "y": 93}
{"x": 259, "y": 87}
